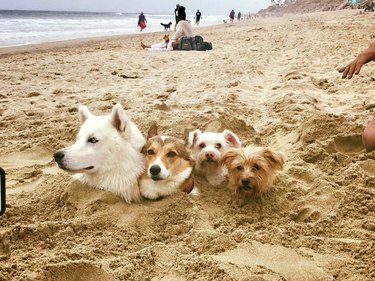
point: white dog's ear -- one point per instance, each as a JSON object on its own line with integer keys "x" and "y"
{"x": 193, "y": 137}
{"x": 119, "y": 119}
{"x": 231, "y": 138}
{"x": 84, "y": 113}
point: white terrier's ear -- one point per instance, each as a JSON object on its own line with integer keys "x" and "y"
{"x": 193, "y": 137}
{"x": 119, "y": 119}
{"x": 231, "y": 138}
{"x": 84, "y": 113}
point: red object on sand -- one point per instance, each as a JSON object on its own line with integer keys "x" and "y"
{"x": 368, "y": 136}
{"x": 142, "y": 25}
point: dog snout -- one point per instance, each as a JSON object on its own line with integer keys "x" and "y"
{"x": 209, "y": 155}
{"x": 155, "y": 170}
{"x": 59, "y": 156}
{"x": 246, "y": 184}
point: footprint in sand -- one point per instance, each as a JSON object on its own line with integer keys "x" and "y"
{"x": 26, "y": 167}
{"x": 36, "y": 156}
{"x": 348, "y": 145}
{"x": 78, "y": 270}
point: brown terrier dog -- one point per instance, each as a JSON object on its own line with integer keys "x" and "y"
{"x": 251, "y": 170}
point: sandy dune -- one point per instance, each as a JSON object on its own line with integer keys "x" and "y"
{"x": 272, "y": 81}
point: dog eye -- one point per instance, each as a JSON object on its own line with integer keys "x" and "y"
{"x": 171, "y": 154}
{"x": 239, "y": 168}
{"x": 150, "y": 152}
{"x": 257, "y": 167}
{"x": 218, "y": 146}
{"x": 92, "y": 140}
{"x": 202, "y": 145}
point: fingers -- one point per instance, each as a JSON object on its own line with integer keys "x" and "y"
{"x": 345, "y": 71}
{"x": 358, "y": 68}
{"x": 351, "y": 69}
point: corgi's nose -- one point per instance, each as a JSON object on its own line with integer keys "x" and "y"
{"x": 59, "y": 155}
{"x": 155, "y": 170}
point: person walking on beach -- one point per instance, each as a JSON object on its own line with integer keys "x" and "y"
{"x": 197, "y": 17}
{"x": 355, "y": 66}
{"x": 142, "y": 21}
{"x": 239, "y": 16}
{"x": 176, "y": 16}
{"x": 232, "y": 15}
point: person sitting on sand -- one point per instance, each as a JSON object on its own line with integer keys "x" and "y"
{"x": 183, "y": 29}
{"x": 355, "y": 66}
{"x": 162, "y": 46}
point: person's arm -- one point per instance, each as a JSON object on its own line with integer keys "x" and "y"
{"x": 355, "y": 66}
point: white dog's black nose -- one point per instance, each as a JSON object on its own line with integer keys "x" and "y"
{"x": 155, "y": 170}
{"x": 59, "y": 156}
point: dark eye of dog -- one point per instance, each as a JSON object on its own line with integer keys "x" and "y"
{"x": 257, "y": 167}
{"x": 171, "y": 154}
{"x": 218, "y": 146}
{"x": 150, "y": 152}
{"x": 239, "y": 168}
{"x": 92, "y": 140}
{"x": 202, "y": 145}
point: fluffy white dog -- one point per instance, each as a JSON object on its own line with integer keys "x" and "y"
{"x": 207, "y": 148}
{"x": 107, "y": 154}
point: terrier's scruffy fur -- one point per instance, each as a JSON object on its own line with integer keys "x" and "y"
{"x": 252, "y": 169}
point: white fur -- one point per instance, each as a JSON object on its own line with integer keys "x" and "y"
{"x": 115, "y": 158}
{"x": 213, "y": 172}
{"x": 154, "y": 189}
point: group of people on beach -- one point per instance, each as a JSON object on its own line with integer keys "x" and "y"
{"x": 142, "y": 22}
{"x": 183, "y": 29}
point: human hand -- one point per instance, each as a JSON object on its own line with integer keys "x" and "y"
{"x": 355, "y": 66}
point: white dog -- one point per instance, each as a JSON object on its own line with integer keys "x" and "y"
{"x": 207, "y": 149}
{"x": 107, "y": 154}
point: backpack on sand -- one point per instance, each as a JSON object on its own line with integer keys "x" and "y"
{"x": 193, "y": 43}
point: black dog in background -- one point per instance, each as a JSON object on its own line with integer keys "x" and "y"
{"x": 166, "y": 26}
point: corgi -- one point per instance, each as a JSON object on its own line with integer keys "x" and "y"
{"x": 168, "y": 169}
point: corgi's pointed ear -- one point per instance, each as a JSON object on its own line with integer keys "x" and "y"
{"x": 231, "y": 138}
{"x": 119, "y": 119}
{"x": 84, "y": 113}
{"x": 193, "y": 137}
{"x": 153, "y": 131}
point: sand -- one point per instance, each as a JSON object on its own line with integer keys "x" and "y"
{"x": 272, "y": 81}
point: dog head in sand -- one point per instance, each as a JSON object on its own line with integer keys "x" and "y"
{"x": 169, "y": 168}
{"x": 166, "y": 38}
{"x": 207, "y": 149}
{"x": 252, "y": 170}
{"x": 107, "y": 153}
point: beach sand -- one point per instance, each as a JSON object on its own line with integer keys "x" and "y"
{"x": 272, "y": 81}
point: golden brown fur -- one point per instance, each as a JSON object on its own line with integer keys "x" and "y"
{"x": 252, "y": 170}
